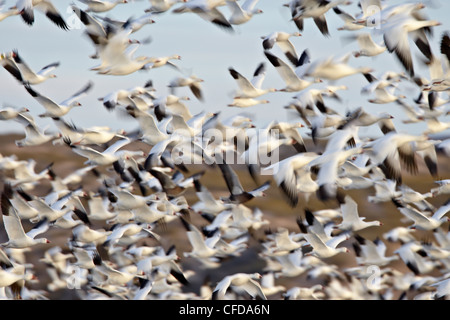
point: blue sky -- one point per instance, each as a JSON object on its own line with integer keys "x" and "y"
{"x": 206, "y": 50}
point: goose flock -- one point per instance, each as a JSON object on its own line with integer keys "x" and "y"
{"x": 179, "y": 208}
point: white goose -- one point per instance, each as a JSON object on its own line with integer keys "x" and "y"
{"x": 17, "y": 238}
{"x": 323, "y": 250}
{"x": 207, "y": 10}
{"x": 23, "y": 73}
{"x": 421, "y": 220}
{"x": 351, "y": 219}
{"x": 54, "y": 109}
{"x": 26, "y": 9}
{"x": 8, "y": 112}
{"x": 7, "y": 13}
{"x": 160, "y": 6}
{"x": 396, "y": 32}
{"x": 34, "y": 135}
{"x": 101, "y": 5}
{"x": 193, "y": 82}
{"x": 288, "y": 172}
{"x": 282, "y": 40}
{"x": 250, "y": 88}
{"x": 241, "y": 14}
{"x": 332, "y": 68}
{"x": 247, "y": 102}
{"x": 294, "y": 81}
{"x": 95, "y": 157}
{"x": 315, "y": 9}
{"x": 239, "y": 282}
{"x": 368, "y": 47}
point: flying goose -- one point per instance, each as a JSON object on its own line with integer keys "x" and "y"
{"x": 315, "y": 9}
{"x": 421, "y": 220}
{"x": 351, "y": 219}
{"x": 281, "y": 38}
{"x": 241, "y": 14}
{"x": 19, "y": 69}
{"x": 101, "y": 5}
{"x": 396, "y": 33}
{"x": 26, "y": 9}
{"x": 239, "y": 282}
{"x": 293, "y": 80}
{"x": 54, "y": 109}
{"x": 207, "y": 10}
{"x": 17, "y": 238}
{"x": 250, "y": 88}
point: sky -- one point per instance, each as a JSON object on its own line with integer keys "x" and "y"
{"x": 206, "y": 51}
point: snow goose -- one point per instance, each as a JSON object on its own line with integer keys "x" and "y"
{"x": 17, "y": 238}
{"x": 392, "y": 150}
{"x": 284, "y": 242}
{"x": 25, "y": 175}
{"x": 86, "y": 136}
{"x": 368, "y": 47}
{"x": 54, "y": 109}
{"x": 19, "y": 69}
{"x": 348, "y": 19}
{"x": 84, "y": 234}
{"x": 250, "y": 88}
{"x": 95, "y": 157}
{"x": 26, "y": 9}
{"x": 443, "y": 188}
{"x": 415, "y": 258}
{"x": 269, "y": 286}
{"x": 34, "y": 135}
{"x": 294, "y": 82}
{"x": 125, "y": 96}
{"x": 87, "y": 256}
{"x": 385, "y": 95}
{"x": 203, "y": 248}
{"x": 396, "y": 32}
{"x": 371, "y": 252}
{"x": 193, "y": 82}
{"x": 160, "y": 6}
{"x": 361, "y": 118}
{"x": 207, "y": 10}
{"x": 281, "y": 38}
{"x": 123, "y": 63}
{"x": 421, "y": 221}
{"x": 246, "y": 102}
{"x": 101, "y": 5}
{"x": 151, "y": 132}
{"x": 241, "y": 14}
{"x": 351, "y": 219}
{"x": 293, "y": 264}
{"x": 10, "y": 276}
{"x": 135, "y": 24}
{"x": 20, "y": 201}
{"x": 332, "y": 68}
{"x": 304, "y": 293}
{"x": 399, "y": 234}
{"x": 118, "y": 276}
{"x": 239, "y": 282}
{"x": 323, "y": 250}
{"x": 237, "y": 193}
{"x": 288, "y": 174}
{"x": 331, "y": 159}
{"x": 158, "y": 62}
{"x": 7, "y": 13}
{"x": 207, "y": 202}
{"x": 8, "y": 112}
{"x": 303, "y": 9}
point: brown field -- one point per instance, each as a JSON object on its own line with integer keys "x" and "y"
{"x": 275, "y": 208}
